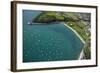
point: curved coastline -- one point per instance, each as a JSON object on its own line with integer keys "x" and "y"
{"x": 75, "y": 33}
{"x": 81, "y": 54}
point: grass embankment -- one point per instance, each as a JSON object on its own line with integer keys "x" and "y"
{"x": 47, "y": 17}
{"x": 71, "y": 19}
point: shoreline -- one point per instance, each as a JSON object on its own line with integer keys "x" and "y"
{"x": 75, "y": 33}
{"x": 82, "y": 53}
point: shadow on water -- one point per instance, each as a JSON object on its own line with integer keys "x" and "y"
{"x": 49, "y": 23}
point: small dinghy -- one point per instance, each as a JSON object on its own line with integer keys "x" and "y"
{"x": 29, "y": 23}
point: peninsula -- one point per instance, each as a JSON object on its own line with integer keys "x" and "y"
{"x": 77, "y": 21}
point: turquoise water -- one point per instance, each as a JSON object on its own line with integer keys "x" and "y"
{"x": 48, "y": 42}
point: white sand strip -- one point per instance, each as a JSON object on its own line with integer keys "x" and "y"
{"x": 81, "y": 55}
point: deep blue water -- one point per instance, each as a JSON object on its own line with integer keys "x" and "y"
{"x": 48, "y": 42}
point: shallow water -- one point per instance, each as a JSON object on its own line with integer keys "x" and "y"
{"x": 48, "y": 42}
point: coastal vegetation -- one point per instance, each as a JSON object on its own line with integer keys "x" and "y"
{"x": 72, "y": 19}
{"x": 47, "y": 17}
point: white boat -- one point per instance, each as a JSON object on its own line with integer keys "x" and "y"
{"x": 29, "y": 23}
